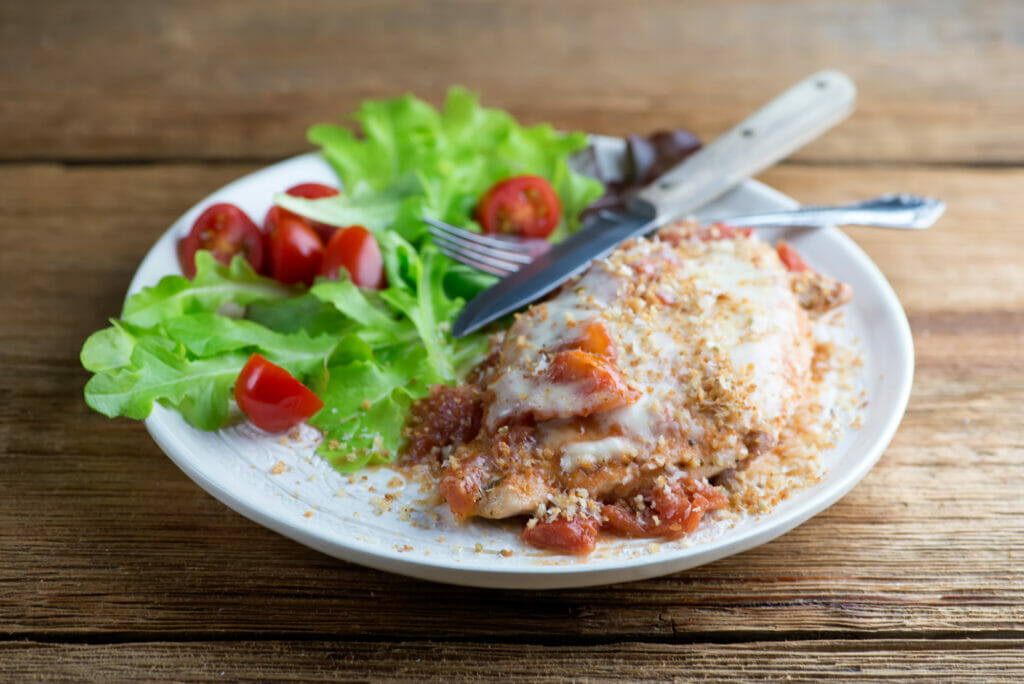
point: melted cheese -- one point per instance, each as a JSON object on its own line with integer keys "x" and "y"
{"x": 708, "y": 333}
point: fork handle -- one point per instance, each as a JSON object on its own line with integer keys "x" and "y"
{"x": 785, "y": 124}
{"x": 888, "y": 211}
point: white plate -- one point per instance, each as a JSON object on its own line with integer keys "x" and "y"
{"x": 312, "y": 504}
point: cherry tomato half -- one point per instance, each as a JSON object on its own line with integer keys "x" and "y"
{"x": 294, "y": 250}
{"x": 312, "y": 190}
{"x": 273, "y": 217}
{"x": 315, "y": 191}
{"x": 224, "y": 230}
{"x": 355, "y": 249}
{"x": 271, "y": 396}
{"x": 522, "y": 205}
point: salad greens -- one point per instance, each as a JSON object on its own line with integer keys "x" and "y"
{"x": 366, "y": 354}
{"x": 414, "y": 161}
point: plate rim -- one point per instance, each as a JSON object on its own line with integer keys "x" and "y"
{"x": 464, "y": 571}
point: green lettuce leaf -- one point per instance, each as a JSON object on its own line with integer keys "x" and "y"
{"x": 429, "y": 308}
{"x": 414, "y": 161}
{"x": 159, "y": 370}
{"x": 365, "y": 405}
{"x": 110, "y": 348}
{"x": 208, "y": 334}
{"x": 189, "y": 362}
{"x": 367, "y": 354}
{"x": 213, "y": 286}
{"x": 304, "y": 312}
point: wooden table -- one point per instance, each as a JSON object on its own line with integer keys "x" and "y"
{"x": 115, "y": 119}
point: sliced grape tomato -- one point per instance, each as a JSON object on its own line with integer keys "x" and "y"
{"x": 224, "y": 230}
{"x": 294, "y": 250}
{"x": 522, "y": 205}
{"x": 356, "y": 250}
{"x": 312, "y": 190}
{"x": 271, "y": 396}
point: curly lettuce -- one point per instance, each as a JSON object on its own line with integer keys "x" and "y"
{"x": 367, "y": 354}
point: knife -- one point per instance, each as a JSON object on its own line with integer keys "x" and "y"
{"x": 785, "y": 124}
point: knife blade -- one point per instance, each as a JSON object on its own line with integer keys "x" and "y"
{"x": 783, "y": 125}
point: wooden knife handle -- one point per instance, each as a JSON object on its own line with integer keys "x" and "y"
{"x": 785, "y": 124}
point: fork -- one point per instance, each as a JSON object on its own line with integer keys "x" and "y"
{"x": 502, "y": 255}
{"x": 498, "y": 255}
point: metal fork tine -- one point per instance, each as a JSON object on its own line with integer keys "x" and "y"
{"x": 511, "y": 258}
{"x": 457, "y": 234}
{"x": 477, "y": 263}
{"x": 490, "y": 255}
{"x": 504, "y": 264}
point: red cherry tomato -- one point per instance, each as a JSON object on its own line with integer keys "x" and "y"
{"x": 225, "y": 231}
{"x": 294, "y": 250}
{"x": 315, "y": 191}
{"x": 271, "y": 396}
{"x": 312, "y": 190}
{"x": 355, "y": 249}
{"x": 522, "y": 205}
{"x": 273, "y": 217}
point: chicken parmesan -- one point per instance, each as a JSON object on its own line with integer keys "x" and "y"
{"x": 619, "y": 403}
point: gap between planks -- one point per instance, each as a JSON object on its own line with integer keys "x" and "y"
{"x": 913, "y": 640}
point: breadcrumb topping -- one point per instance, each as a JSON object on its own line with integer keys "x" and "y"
{"x": 691, "y": 358}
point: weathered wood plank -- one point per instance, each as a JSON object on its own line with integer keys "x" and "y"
{"x": 193, "y": 80}
{"x": 107, "y": 547}
{"x": 105, "y": 535}
{"x": 72, "y": 238}
{"x": 800, "y": 661}
{"x": 100, "y": 534}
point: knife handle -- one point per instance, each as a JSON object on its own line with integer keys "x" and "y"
{"x": 780, "y": 127}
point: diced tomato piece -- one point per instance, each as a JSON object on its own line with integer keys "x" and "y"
{"x": 598, "y": 381}
{"x": 681, "y": 506}
{"x": 512, "y": 442}
{"x": 791, "y": 259}
{"x": 620, "y": 520}
{"x": 577, "y": 536}
{"x": 596, "y": 340}
{"x": 674, "y": 510}
{"x": 576, "y": 365}
{"x": 271, "y": 396}
{"x": 447, "y": 416}
{"x": 676, "y": 514}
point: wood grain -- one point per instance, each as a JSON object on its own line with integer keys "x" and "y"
{"x": 115, "y": 118}
{"x": 104, "y": 532}
{"x": 187, "y": 79}
{"x": 809, "y": 661}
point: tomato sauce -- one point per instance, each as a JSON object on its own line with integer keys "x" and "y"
{"x": 447, "y": 416}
